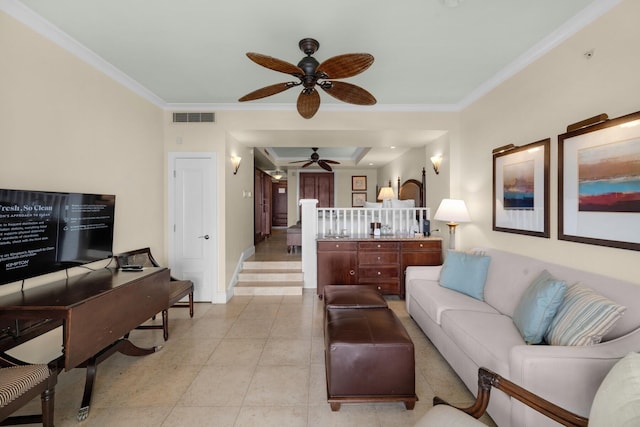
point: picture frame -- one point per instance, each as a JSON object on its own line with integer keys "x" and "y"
{"x": 521, "y": 189}
{"x": 599, "y": 183}
{"x": 358, "y": 183}
{"x": 358, "y": 199}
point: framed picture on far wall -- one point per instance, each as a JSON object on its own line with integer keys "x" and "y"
{"x": 358, "y": 183}
{"x": 521, "y": 189}
{"x": 599, "y": 183}
{"x": 358, "y": 199}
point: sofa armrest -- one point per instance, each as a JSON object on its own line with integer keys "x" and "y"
{"x": 488, "y": 379}
{"x": 424, "y": 272}
{"x": 581, "y": 369}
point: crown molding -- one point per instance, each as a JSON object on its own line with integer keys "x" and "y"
{"x": 28, "y": 17}
{"x": 34, "y": 21}
{"x": 585, "y": 17}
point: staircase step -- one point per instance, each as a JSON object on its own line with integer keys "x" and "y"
{"x": 272, "y": 265}
{"x": 248, "y": 288}
{"x": 270, "y": 276}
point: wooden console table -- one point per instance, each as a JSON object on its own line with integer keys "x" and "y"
{"x": 97, "y": 311}
{"x": 380, "y": 261}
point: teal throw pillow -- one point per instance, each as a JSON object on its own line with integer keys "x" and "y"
{"x": 465, "y": 273}
{"x": 537, "y": 307}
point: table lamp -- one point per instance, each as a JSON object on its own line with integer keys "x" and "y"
{"x": 385, "y": 194}
{"x": 453, "y": 211}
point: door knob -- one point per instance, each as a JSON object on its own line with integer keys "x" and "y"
{"x": 205, "y": 237}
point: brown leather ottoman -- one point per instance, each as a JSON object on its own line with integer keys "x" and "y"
{"x": 352, "y": 296}
{"x": 369, "y": 357}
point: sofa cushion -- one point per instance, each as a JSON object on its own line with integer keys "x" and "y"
{"x": 538, "y": 306}
{"x": 617, "y": 401}
{"x": 583, "y": 318}
{"x": 435, "y": 299}
{"x": 465, "y": 273}
{"x": 486, "y": 338}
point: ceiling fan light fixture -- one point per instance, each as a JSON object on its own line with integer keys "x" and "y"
{"x": 310, "y": 72}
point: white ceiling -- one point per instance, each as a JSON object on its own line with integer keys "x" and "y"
{"x": 429, "y": 56}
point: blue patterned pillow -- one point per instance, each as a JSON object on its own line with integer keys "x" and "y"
{"x": 538, "y": 306}
{"x": 583, "y": 318}
{"x": 465, "y": 273}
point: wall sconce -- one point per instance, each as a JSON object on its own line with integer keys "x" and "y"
{"x": 436, "y": 161}
{"x": 235, "y": 162}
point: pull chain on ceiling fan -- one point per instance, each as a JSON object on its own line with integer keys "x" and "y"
{"x": 311, "y": 73}
{"x": 315, "y": 158}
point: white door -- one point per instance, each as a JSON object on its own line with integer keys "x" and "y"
{"x": 192, "y": 208}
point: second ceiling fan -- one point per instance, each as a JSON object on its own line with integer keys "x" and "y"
{"x": 315, "y": 158}
{"x": 311, "y": 73}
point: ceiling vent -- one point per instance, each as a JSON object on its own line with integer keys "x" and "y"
{"x": 194, "y": 117}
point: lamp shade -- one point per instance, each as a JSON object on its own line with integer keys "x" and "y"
{"x": 452, "y": 210}
{"x": 386, "y": 193}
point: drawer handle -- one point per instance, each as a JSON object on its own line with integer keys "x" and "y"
{"x": 378, "y": 245}
{"x": 337, "y": 245}
{"x": 352, "y": 273}
{"x": 421, "y": 245}
{"x": 379, "y": 288}
{"x": 379, "y": 273}
{"x": 379, "y": 258}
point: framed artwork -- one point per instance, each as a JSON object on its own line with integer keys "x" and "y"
{"x": 521, "y": 189}
{"x": 358, "y": 183}
{"x": 599, "y": 184}
{"x": 358, "y": 199}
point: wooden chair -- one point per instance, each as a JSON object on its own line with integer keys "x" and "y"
{"x": 616, "y": 402}
{"x": 179, "y": 289}
{"x": 19, "y": 385}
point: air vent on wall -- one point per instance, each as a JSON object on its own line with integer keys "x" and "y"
{"x": 194, "y": 117}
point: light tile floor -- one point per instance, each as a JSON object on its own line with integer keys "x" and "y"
{"x": 256, "y": 361}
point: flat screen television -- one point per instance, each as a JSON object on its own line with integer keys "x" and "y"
{"x": 43, "y": 232}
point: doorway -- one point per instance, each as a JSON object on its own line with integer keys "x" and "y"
{"x": 279, "y": 203}
{"x": 192, "y": 220}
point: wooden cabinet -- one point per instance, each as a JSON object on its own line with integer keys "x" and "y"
{"x": 317, "y": 186}
{"x": 379, "y": 265}
{"x": 373, "y": 261}
{"x": 419, "y": 252}
{"x": 262, "y": 205}
{"x": 337, "y": 264}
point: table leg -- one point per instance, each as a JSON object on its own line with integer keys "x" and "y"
{"x": 123, "y": 346}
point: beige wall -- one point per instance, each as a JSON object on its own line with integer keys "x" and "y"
{"x": 558, "y": 89}
{"x": 67, "y": 127}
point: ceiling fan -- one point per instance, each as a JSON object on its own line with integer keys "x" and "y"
{"x": 315, "y": 158}
{"x": 311, "y": 73}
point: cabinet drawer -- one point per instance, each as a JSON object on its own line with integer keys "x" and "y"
{"x": 378, "y": 246}
{"x": 337, "y": 246}
{"x": 377, "y": 258}
{"x": 422, "y": 245}
{"x": 380, "y": 272}
{"x": 387, "y": 287}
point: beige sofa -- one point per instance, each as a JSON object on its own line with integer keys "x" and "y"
{"x": 471, "y": 334}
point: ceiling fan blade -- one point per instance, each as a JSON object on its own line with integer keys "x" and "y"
{"x": 307, "y": 164}
{"x": 348, "y": 92}
{"x": 308, "y": 103}
{"x": 268, "y": 91}
{"x": 343, "y": 66}
{"x": 333, "y": 162}
{"x": 275, "y": 64}
{"x": 323, "y": 164}
{"x": 299, "y": 161}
